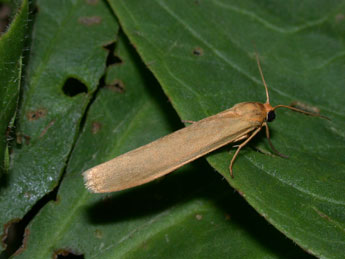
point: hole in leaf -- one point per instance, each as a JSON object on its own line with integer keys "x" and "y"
{"x": 9, "y": 238}
{"x": 66, "y": 254}
{"x": 198, "y": 51}
{"x": 112, "y": 59}
{"x": 16, "y": 233}
{"x": 72, "y": 87}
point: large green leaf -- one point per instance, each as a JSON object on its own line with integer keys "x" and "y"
{"x": 202, "y": 53}
{"x": 192, "y": 213}
{"x": 67, "y": 45}
{"x": 11, "y": 49}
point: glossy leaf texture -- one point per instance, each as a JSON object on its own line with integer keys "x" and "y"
{"x": 11, "y": 52}
{"x": 191, "y": 213}
{"x": 203, "y": 55}
{"x": 67, "y": 59}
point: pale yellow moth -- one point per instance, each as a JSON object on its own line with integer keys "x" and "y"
{"x": 144, "y": 164}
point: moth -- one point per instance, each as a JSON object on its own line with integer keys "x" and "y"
{"x": 162, "y": 156}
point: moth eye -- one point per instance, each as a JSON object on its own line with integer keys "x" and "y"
{"x": 270, "y": 116}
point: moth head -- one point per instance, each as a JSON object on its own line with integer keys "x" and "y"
{"x": 270, "y": 116}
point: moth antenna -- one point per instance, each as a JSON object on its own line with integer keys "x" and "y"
{"x": 299, "y": 110}
{"x": 262, "y": 77}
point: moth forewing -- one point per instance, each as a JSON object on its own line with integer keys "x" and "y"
{"x": 168, "y": 153}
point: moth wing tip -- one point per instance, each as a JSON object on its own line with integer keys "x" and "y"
{"x": 89, "y": 183}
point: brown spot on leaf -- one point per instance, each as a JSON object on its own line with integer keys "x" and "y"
{"x": 98, "y": 233}
{"x": 339, "y": 17}
{"x": 321, "y": 214}
{"x": 90, "y": 20}
{"x": 117, "y": 86}
{"x": 198, "y": 51}
{"x": 27, "y": 139}
{"x": 96, "y": 126}
{"x": 35, "y": 115}
{"x": 20, "y": 138}
{"x": 198, "y": 216}
{"x": 44, "y": 131}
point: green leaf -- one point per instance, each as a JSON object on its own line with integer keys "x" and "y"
{"x": 67, "y": 46}
{"x": 191, "y": 213}
{"x": 11, "y": 48}
{"x": 202, "y": 53}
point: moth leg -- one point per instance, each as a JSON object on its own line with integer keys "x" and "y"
{"x": 239, "y": 148}
{"x": 270, "y": 143}
{"x": 188, "y": 121}
{"x": 240, "y": 138}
